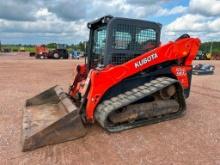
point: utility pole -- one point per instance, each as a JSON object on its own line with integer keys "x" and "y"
{"x": 210, "y": 51}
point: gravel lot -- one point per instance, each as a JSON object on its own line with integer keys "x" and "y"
{"x": 192, "y": 139}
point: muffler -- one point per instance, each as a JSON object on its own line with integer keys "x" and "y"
{"x": 50, "y": 118}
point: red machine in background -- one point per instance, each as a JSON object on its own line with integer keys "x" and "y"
{"x": 41, "y": 51}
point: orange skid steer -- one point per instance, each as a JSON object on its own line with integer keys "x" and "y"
{"x": 128, "y": 80}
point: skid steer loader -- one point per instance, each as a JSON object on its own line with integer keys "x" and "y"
{"x": 128, "y": 80}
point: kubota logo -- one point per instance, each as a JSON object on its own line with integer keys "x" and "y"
{"x": 146, "y": 60}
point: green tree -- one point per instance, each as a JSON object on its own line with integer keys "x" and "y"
{"x": 205, "y": 47}
{"x": 52, "y": 45}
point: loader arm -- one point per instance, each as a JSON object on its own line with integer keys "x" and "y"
{"x": 183, "y": 51}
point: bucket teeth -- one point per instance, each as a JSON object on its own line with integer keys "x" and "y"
{"x": 50, "y": 118}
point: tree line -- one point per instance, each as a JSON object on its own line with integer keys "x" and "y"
{"x": 79, "y": 46}
{"x": 28, "y": 47}
{"x": 205, "y": 47}
{"x": 210, "y": 46}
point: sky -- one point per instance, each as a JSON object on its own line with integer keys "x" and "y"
{"x": 64, "y": 21}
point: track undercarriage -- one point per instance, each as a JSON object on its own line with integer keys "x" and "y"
{"x": 158, "y": 100}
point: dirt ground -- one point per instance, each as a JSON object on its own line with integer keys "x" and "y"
{"x": 193, "y": 139}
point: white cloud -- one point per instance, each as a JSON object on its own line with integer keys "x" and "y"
{"x": 202, "y": 20}
{"x": 65, "y": 20}
{"x": 206, "y": 28}
{"x": 119, "y": 8}
{"x": 43, "y": 12}
{"x": 215, "y": 25}
{"x": 175, "y": 10}
{"x": 205, "y": 7}
{"x": 145, "y": 2}
{"x": 189, "y": 22}
{"x": 46, "y": 30}
{"x": 22, "y": 10}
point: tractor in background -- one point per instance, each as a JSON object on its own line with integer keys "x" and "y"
{"x": 42, "y": 52}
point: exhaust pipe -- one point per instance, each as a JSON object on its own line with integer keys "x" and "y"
{"x": 50, "y": 118}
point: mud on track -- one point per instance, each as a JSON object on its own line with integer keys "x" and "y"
{"x": 193, "y": 139}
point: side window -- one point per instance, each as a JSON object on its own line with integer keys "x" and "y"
{"x": 98, "y": 47}
{"x": 145, "y": 38}
{"x": 99, "y": 40}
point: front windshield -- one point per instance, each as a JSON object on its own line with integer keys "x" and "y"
{"x": 133, "y": 38}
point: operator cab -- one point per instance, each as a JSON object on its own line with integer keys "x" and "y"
{"x": 115, "y": 40}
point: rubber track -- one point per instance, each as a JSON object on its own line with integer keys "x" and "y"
{"x": 108, "y": 106}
